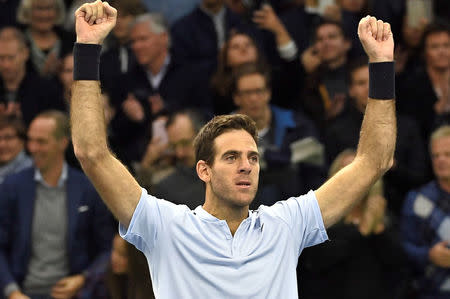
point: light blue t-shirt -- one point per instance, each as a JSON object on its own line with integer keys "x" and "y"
{"x": 192, "y": 254}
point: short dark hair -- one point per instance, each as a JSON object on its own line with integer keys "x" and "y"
{"x": 246, "y": 69}
{"x": 204, "y": 141}
{"x": 324, "y": 22}
{"x": 433, "y": 28}
{"x": 14, "y": 122}
{"x": 62, "y": 123}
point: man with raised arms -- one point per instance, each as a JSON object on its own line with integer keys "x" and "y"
{"x": 222, "y": 249}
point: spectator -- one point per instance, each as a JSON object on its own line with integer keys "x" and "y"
{"x": 410, "y": 169}
{"x": 155, "y": 85}
{"x": 430, "y": 104}
{"x": 65, "y": 77}
{"x": 22, "y": 92}
{"x": 198, "y": 36}
{"x": 361, "y": 255}
{"x": 326, "y": 65}
{"x": 407, "y": 52}
{"x": 291, "y": 161}
{"x": 48, "y": 42}
{"x": 241, "y": 48}
{"x": 53, "y": 225}
{"x": 122, "y": 275}
{"x": 425, "y": 226}
{"x": 118, "y": 58}
{"x": 171, "y": 9}
{"x": 12, "y": 141}
{"x": 182, "y": 186}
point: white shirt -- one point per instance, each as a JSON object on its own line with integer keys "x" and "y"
{"x": 192, "y": 254}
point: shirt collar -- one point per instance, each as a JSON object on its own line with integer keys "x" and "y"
{"x": 155, "y": 79}
{"x": 253, "y": 215}
{"x": 219, "y": 15}
{"x": 62, "y": 179}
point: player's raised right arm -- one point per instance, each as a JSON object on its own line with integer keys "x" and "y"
{"x": 117, "y": 187}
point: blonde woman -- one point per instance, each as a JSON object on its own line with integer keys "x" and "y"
{"x": 48, "y": 42}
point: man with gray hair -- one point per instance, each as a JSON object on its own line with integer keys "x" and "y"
{"x": 426, "y": 223}
{"x": 157, "y": 84}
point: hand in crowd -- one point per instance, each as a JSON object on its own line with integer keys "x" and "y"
{"x": 439, "y": 254}
{"x": 266, "y": 18}
{"x": 52, "y": 64}
{"x": 94, "y": 21}
{"x": 18, "y": 295}
{"x": 155, "y": 149}
{"x": 373, "y": 216}
{"x": 67, "y": 287}
{"x": 337, "y": 104}
{"x": 133, "y": 109}
{"x": 310, "y": 59}
{"x": 10, "y": 109}
{"x": 156, "y": 103}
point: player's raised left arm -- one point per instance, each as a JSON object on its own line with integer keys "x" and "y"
{"x": 378, "y": 131}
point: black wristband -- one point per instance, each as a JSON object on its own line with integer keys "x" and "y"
{"x": 86, "y": 61}
{"x": 382, "y": 80}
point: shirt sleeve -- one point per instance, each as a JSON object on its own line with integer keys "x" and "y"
{"x": 148, "y": 221}
{"x": 302, "y": 215}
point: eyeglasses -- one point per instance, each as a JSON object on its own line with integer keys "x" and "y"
{"x": 255, "y": 91}
{"x": 7, "y": 138}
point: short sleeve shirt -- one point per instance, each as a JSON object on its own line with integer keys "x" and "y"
{"x": 192, "y": 254}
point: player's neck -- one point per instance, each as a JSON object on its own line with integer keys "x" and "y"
{"x": 233, "y": 215}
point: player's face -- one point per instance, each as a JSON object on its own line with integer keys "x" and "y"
{"x": 440, "y": 156}
{"x": 234, "y": 174}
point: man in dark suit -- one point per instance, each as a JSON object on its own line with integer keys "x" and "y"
{"x": 53, "y": 225}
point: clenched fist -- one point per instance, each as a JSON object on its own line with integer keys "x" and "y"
{"x": 93, "y": 22}
{"x": 376, "y": 39}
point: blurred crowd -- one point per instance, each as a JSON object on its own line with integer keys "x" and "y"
{"x": 296, "y": 67}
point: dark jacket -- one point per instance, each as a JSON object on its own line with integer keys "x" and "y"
{"x": 90, "y": 230}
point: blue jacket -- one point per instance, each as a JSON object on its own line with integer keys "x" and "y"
{"x": 90, "y": 228}
{"x": 425, "y": 222}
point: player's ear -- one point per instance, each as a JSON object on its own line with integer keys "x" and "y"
{"x": 203, "y": 171}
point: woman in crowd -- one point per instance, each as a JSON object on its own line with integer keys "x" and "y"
{"x": 48, "y": 42}
{"x": 360, "y": 258}
{"x": 123, "y": 275}
{"x": 241, "y": 48}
